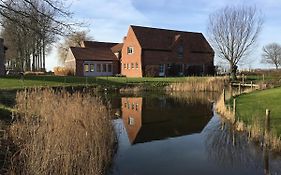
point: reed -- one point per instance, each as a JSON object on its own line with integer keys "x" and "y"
{"x": 197, "y": 84}
{"x": 224, "y": 110}
{"x": 254, "y": 128}
{"x": 61, "y": 133}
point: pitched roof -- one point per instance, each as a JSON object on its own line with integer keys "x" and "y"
{"x": 163, "y": 39}
{"x": 117, "y": 47}
{"x": 93, "y": 54}
{"x": 95, "y": 44}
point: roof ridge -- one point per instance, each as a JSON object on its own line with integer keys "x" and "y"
{"x": 154, "y": 28}
{"x": 101, "y": 42}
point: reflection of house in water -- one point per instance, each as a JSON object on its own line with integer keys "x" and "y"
{"x": 151, "y": 119}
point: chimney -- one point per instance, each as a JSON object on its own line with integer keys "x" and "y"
{"x": 124, "y": 39}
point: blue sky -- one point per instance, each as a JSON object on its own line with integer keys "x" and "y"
{"x": 108, "y": 20}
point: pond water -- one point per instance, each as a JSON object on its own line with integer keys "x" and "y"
{"x": 181, "y": 134}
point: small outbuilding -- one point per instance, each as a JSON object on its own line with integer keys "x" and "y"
{"x": 95, "y": 59}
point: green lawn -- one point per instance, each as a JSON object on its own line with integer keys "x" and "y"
{"x": 110, "y": 82}
{"x": 253, "y": 105}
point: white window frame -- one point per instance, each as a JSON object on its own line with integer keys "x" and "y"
{"x": 130, "y": 50}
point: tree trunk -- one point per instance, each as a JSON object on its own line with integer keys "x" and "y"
{"x": 233, "y": 71}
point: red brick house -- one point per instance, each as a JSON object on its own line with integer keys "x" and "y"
{"x": 95, "y": 59}
{"x": 145, "y": 52}
{"x": 160, "y": 52}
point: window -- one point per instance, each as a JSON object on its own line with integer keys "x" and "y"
{"x": 137, "y": 65}
{"x": 103, "y": 67}
{"x": 132, "y": 65}
{"x": 133, "y": 106}
{"x": 180, "y": 51}
{"x": 161, "y": 68}
{"x": 92, "y": 68}
{"x": 86, "y": 67}
{"x": 98, "y": 68}
{"x": 124, "y": 66}
{"x": 128, "y": 66}
{"x": 130, "y": 50}
{"x": 109, "y": 68}
{"x": 137, "y": 105}
{"x": 131, "y": 121}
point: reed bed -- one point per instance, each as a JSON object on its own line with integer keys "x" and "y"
{"x": 61, "y": 133}
{"x": 224, "y": 110}
{"x": 199, "y": 84}
{"x": 255, "y": 128}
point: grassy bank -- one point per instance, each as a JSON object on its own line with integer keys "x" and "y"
{"x": 252, "y": 107}
{"x": 61, "y": 133}
{"x": 149, "y": 83}
{"x": 250, "y": 115}
{"x": 102, "y": 82}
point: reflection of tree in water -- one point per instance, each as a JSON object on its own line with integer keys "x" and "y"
{"x": 230, "y": 149}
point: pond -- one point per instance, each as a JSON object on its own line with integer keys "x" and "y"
{"x": 179, "y": 133}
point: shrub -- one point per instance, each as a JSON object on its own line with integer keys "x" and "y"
{"x": 63, "y": 71}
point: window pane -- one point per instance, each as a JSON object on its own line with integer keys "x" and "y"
{"x": 109, "y": 68}
{"x": 180, "y": 51}
{"x": 86, "y": 67}
{"x": 98, "y": 68}
{"x": 128, "y": 66}
{"x": 124, "y": 65}
{"x": 132, "y": 65}
{"x": 130, "y": 50}
{"x": 104, "y": 68}
{"x": 92, "y": 68}
{"x": 137, "y": 65}
{"x": 161, "y": 68}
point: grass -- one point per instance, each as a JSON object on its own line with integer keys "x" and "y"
{"x": 14, "y": 82}
{"x": 150, "y": 83}
{"x": 252, "y": 106}
{"x": 61, "y": 133}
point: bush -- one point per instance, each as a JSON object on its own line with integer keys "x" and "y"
{"x": 63, "y": 71}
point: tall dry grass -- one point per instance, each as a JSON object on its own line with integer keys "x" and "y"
{"x": 64, "y": 71}
{"x": 61, "y": 133}
{"x": 197, "y": 84}
{"x": 255, "y": 128}
{"x": 224, "y": 110}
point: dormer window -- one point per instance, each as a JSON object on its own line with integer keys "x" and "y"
{"x": 130, "y": 50}
{"x": 180, "y": 51}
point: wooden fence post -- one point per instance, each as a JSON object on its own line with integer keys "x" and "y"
{"x": 239, "y": 89}
{"x": 234, "y": 106}
{"x": 252, "y": 85}
{"x": 266, "y": 142}
{"x": 267, "y": 126}
{"x": 223, "y": 93}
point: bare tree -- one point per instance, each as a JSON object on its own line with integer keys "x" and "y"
{"x": 272, "y": 54}
{"x": 233, "y": 31}
{"x": 30, "y": 27}
{"x": 73, "y": 40}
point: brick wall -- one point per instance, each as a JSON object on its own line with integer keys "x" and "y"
{"x": 134, "y": 58}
